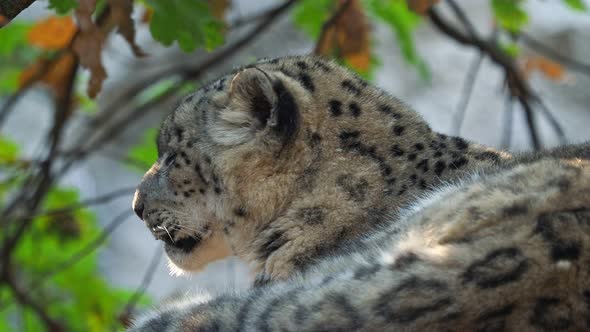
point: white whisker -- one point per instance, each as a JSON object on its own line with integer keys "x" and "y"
{"x": 170, "y": 236}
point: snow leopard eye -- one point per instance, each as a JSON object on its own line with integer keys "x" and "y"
{"x": 170, "y": 159}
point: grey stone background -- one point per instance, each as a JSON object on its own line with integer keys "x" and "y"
{"x": 126, "y": 256}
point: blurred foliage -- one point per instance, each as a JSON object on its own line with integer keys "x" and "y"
{"x": 62, "y": 7}
{"x": 8, "y": 151}
{"x": 145, "y": 152}
{"x": 49, "y": 50}
{"x": 510, "y": 14}
{"x": 576, "y": 4}
{"x": 403, "y": 23}
{"x": 77, "y": 292}
{"x": 191, "y": 23}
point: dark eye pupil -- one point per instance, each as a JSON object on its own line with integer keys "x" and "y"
{"x": 170, "y": 159}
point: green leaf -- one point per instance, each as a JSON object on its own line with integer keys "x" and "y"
{"x": 188, "y": 22}
{"x": 509, "y": 14}
{"x": 13, "y": 36}
{"x": 511, "y": 49}
{"x": 8, "y": 150}
{"x": 403, "y": 22}
{"x": 146, "y": 152}
{"x": 62, "y": 7}
{"x": 9, "y": 80}
{"x": 578, "y": 5}
{"x": 155, "y": 90}
{"x": 310, "y": 15}
{"x": 87, "y": 105}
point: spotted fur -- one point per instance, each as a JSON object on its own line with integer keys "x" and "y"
{"x": 309, "y": 174}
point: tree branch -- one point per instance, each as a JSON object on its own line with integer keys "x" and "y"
{"x": 466, "y": 95}
{"x": 550, "y": 53}
{"x": 516, "y": 84}
{"x": 462, "y": 18}
{"x": 148, "y": 276}
{"x": 506, "y": 139}
{"x": 11, "y": 8}
{"x": 24, "y": 299}
{"x": 328, "y": 24}
{"x": 105, "y": 198}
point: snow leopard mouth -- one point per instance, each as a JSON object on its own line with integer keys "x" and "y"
{"x": 172, "y": 238}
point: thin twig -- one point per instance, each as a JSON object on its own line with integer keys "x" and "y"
{"x": 550, "y": 53}
{"x": 552, "y": 121}
{"x": 145, "y": 282}
{"x": 105, "y": 198}
{"x": 468, "y": 86}
{"x": 89, "y": 248}
{"x": 463, "y": 18}
{"x": 516, "y": 84}
{"x": 8, "y": 105}
{"x": 506, "y": 139}
{"x": 24, "y": 299}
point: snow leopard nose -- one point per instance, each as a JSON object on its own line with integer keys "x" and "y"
{"x": 138, "y": 205}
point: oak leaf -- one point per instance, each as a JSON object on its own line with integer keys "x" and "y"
{"x": 550, "y": 69}
{"x": 88, "y": 46}
{"x": 121, "y": 15}
{"x": 52, "y": 33}
{"x": 347, "y": 36}
{"x": 54, "y": 73}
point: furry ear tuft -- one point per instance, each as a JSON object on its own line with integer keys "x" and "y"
{"x": 257, "y": 102}
{"x": 252, "y": 90}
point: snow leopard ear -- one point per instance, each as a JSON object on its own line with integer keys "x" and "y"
{"x": 258, "y": 104}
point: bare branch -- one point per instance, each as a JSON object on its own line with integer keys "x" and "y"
{"x": 552, "y": 120}
{"x": 516, "y": 84}
{"x": 145, "y": 282}
{"x": 329, "y": 23}
{"x": 8, "y": 105}
{"x": 88, "y": 202}
{"x": 462, "y": 18}
{"x": 11, "y": 8}
{"x": 24, "y": 299}
{"x": 506, "y": 139}
{"x": 466, "y": 94}
{"x": 550, "y": 53}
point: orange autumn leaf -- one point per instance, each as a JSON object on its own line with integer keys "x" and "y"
{"x": 121, "y": 15}
{"x": 348, "y": 37}
{"x": 421, "y": 6}
{"x": 550, "y": 69}
{"x": 3, "y": 20}
{"x": 54, "y": 73}
{"x": 52, "y": 33}
{"x": 88, "y": 46}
